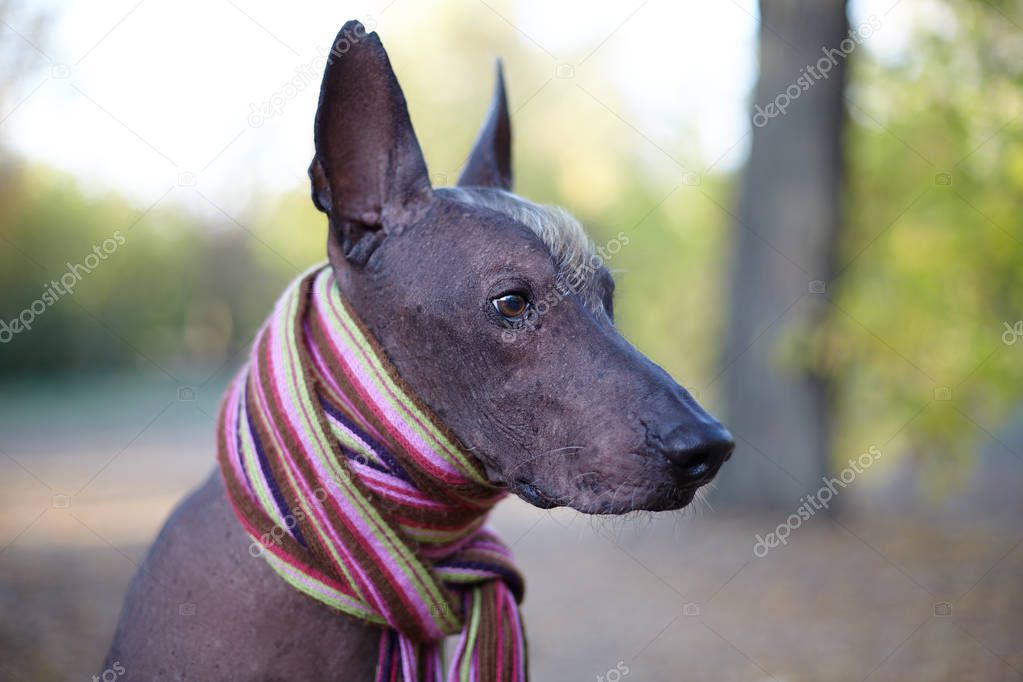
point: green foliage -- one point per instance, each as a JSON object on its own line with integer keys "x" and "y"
{"x": 168, "y": 290}
{"x": 931, "y": 266}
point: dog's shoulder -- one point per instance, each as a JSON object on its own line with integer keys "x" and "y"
{"x": 202, "y": 606}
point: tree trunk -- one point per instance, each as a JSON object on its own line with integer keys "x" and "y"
{"x": 784, "y": 245}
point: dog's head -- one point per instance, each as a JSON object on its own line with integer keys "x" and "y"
{"x": 497, "y": 312}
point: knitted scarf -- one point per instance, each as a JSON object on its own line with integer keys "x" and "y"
{"x": 358, "y": 496}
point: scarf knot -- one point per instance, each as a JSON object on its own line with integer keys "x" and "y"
{"x": 357, "y": 495}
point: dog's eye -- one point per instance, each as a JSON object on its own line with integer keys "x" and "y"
{"x": 511, "y": 306}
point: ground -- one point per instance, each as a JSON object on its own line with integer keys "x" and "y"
{"x": 876, "y": 594}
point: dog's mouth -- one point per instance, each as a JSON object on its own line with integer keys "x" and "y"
{"x": 536, "y": 497}
{"x": 661, "y": 498}
{"x": 663, "y": 493}
{"x": 522, "y": 487}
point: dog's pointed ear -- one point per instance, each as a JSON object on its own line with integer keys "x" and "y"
{"x": 368, "y": 172}
{"x": 489, "y": 164}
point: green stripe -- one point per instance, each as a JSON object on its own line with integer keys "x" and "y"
{"x": 342, "y": 602}
{"x": 470, "y": 640}
{"x": 350, "y": 442}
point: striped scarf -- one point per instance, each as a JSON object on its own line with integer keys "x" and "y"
{"x": 356, "y": 495}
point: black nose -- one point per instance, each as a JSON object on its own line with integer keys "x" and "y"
{"x": 696, "y": 452}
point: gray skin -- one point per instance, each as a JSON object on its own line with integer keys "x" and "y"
{"x": 567, "y": 413}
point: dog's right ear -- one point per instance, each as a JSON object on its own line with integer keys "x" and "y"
{"x": 368, "y": 172}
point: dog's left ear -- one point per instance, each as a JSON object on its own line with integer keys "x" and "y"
{"x": 489, "y": 163}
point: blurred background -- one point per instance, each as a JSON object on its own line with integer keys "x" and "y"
{"x": 822, "y": 201}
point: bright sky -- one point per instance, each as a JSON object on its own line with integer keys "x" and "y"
{"x": 139, "y": 96}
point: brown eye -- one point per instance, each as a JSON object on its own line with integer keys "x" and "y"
{"x": 511, "y": 306}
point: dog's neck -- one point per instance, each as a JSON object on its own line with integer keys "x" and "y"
{"x": 356, "y": 494}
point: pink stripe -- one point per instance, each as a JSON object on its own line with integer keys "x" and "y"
{"x": 382, "y": 656}
{"x": 435, "y": 662}
{"x": 230, "y": 417}
{"x": 383, "y": 487}
{"x": 395, "y": 488}
{"x": 408, "y": 657}
{"x": 500, "y": 638}
{"x": 336, "y": 388}
{"x": 518, "y": 653}
{"x": 459, "y": 650}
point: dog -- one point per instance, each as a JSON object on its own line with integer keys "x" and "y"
{"x": 497, "y": 315}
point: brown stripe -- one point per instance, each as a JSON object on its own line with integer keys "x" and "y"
{"x": 486, "y": 634}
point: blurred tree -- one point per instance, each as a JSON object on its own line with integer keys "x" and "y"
{"x": 784, "y": 241}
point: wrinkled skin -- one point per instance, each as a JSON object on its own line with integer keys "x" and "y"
{"x": 566, "y": 413}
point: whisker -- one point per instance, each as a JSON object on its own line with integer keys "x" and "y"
{"x": 564, "y": 450}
